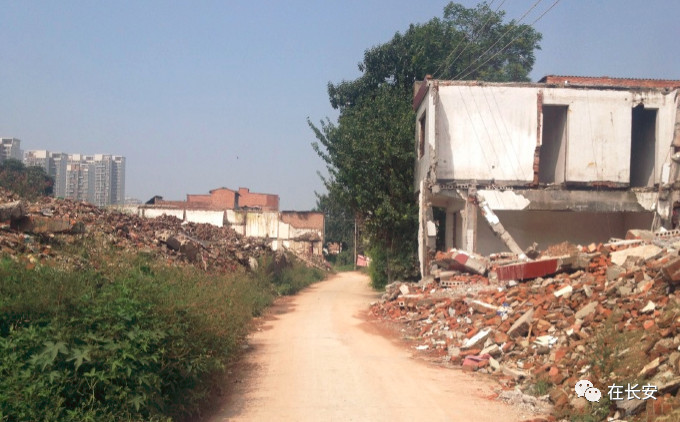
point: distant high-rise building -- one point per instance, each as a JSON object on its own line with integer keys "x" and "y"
{"x": 10, "y": 148}
{"x": 38, "y": 158}
{"x": 98, "y": 179}
{"x": 59, "y": 162}
{"x": 54, "y": 164}
{"x": 78, "y": 181}
{"x": 118, "y": 180}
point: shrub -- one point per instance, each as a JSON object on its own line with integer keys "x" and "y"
{"x": 125, "y": 338}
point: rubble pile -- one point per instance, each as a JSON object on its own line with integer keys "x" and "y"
{"x": 32, "y": 228}
{"x": 607, "y": 313}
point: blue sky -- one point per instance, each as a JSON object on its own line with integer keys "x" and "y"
{"x": 203, "y": 94}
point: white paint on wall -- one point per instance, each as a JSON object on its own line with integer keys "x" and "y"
{"x": 490, "y": 131}
{"x": 647, "y": 200}
{"x": 504, "y": 199}
{"x": 486, "y": 132}
{"x": 262, "y": 224}
{"x": 216, "y": 218}
{"x": 157, "y": 212}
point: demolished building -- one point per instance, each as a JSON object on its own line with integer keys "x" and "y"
{"x": 567, "y": 158}
{"x": 250, "y": 214}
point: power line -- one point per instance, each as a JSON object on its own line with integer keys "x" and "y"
{"x": 511, "y": 41}
{"x": 472, "y": 125}
{"x": 516, "y": 169}
{"x": 477, "y": 32}
{"x": 498, "y": 40}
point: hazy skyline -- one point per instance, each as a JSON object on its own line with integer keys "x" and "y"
{"x": 198, "y": 95}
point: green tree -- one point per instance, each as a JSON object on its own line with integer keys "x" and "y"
{"x": 339, "y": 220}
{"x": 370, "y": 152}
{"x": 27, "y": 182}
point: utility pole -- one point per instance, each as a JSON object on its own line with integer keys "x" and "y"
{"x": 355, "y": 244}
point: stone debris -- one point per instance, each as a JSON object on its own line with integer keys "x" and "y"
{"x": 461, "y": 260}
{"x": 33, "y": 227}
{"x": 565, "y": 319}
{"x": 12, "y": 210}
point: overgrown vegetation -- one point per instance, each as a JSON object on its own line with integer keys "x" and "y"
{"x": 541, "y": 387}
{"x": 27, "y": 182}
{"x": 127, "y": 338}
{"x": 370, "y": 151}
{"x": 344, "y": 261}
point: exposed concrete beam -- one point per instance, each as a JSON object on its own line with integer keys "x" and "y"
{"x": 449, "y": 230}
{"x": 470, "y": 220}
{"x": 498, "y": 229}
{"x": 588, "y": 200}
{"x": 562, "y": 200}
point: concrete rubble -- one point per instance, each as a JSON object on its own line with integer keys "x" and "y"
{"x": 29, "y": 229}
{"x": 607, "y": 313}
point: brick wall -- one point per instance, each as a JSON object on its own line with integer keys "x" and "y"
{"x": 303, "y": 219}
{"x": 264, "y": 201}
{"x": 224, "y": 199}
{"x": 198, "y": 199}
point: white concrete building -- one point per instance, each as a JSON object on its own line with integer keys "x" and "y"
{"x": 10, "y": 148}
{"x": 59, "y": 162}
{"x": 568, "y": 158}
{"x": 98, "y": 179}
{"x": 38, "y": 158}
{"x": 117, "y": 180}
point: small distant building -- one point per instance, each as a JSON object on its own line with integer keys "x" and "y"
{"x": 226, "y": 199}
{"x": 248, "y": 213}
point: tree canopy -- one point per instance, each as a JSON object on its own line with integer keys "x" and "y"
{"x": 27, "y": 182}
{"x": 370, "y": 151}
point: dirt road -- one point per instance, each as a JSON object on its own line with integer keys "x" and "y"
{"x": 319, "y": 361}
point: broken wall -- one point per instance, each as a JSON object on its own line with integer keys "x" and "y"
{"x": 301, "y": 232}
{"x": 262, "y": 224}
{"x": 551, "y": 227}
{"x": 264, "y": 201}
{"x": 489, "y": 133}
{"x": 216, "y": 218}
{"x": 157, "y": 212}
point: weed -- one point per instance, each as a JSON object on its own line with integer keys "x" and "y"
{"x": 541, "y": 387}
{"x": 121, "y": 336}
{"x": 593, "y": 412}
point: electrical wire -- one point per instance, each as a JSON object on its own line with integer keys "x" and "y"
{"x": 497, "y": 41}
{"x": 506, "y": 45}
{"x": 476, "y": 32}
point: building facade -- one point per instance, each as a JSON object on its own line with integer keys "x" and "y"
{"x": 10, "y": 148}
{"x": 98, "y": 179}
{"x": 568, "y": 158}
{"x": 227, "y": 199}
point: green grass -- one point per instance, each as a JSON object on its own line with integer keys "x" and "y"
{"x": 125, "y": 337}
{"x": 541, "y": 387}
